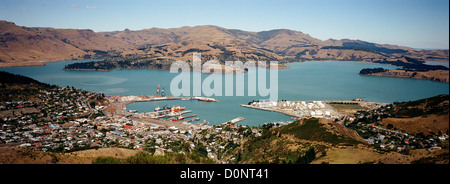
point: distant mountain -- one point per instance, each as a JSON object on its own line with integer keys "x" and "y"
{"x": 21, "y": 46}
{"x": 30, "y": 46}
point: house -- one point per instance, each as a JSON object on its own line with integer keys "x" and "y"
{"x": 434, "y": 148}
{"x": 370, "y": 140}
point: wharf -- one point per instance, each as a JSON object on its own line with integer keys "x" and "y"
{"x": 234, "y": 121}
{"x": 190, "y": 116}
{"x": 132, "y": 98}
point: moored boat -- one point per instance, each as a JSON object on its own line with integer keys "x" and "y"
{"x": 177, "y": 108}
{"x": 178, "y": 119}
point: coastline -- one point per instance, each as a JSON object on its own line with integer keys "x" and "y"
{"x": 436, "y": 75}
{"x": 221, "y": 67}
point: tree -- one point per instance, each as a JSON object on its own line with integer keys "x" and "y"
{"x": 390, "y": 126}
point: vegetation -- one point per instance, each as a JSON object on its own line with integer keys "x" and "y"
{"x": 125, "y": 62}
{"x": 435, "y": 105}
{"x": 346, "y": 106}
{"x": 311, "y": 129}
{"x": 18, "y": 87}
{"x": 290, "y": 144}
{"x": 146, "y": 158}
{"x": 376, "y": 50}
{"x": 413, "y": 65}
{"x": 367, "y": 71}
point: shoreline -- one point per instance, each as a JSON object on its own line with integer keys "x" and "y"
{"x": 312, "y": 109}
{"x": 432, "y": 75}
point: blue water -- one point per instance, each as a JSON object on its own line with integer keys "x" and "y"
{"x": 330, "y": 80}
{"x": 446, "y": 64}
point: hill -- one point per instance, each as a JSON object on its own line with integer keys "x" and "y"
{"x": 300, "y": 142}
{"x": 16, "y": 87}
{"x": 427, "y": 116}
{"x": 15, "y": 155}
{"x": 21, "y": 46}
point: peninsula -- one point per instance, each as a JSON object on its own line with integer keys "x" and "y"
{"x": 411, "y": 68}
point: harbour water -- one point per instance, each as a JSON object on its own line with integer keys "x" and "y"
{"x": 324, "y": 80}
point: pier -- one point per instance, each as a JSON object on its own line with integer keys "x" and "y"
{"x": 234, "y": 121}
{"x": 132, "y": 98}
{"x": 190, "y": 116}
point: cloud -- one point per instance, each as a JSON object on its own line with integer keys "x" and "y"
{"x": 74, "y": 5}
{"x": 91, "y": 7}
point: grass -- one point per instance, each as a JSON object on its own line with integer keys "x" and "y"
{"x": 146, "y": 158}
{"x": 311, "y": 129}
{"x": 346, "y": 106}
{"x": 348, "y": 156}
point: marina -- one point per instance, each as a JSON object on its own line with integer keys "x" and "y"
{"x": 174, "y": 113}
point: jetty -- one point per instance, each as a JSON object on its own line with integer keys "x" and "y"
{"x": 233, "y": 121}
{"x": 144, "y": 98}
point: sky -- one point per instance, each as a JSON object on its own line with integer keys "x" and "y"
{"x": 414, "y": 23}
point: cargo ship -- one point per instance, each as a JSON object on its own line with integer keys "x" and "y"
{"x": 177, "y": 108}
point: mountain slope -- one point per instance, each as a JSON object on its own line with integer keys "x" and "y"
{"x": 429, "y": 116}
{"x": 300, "y": 142}
{"x": 32, "y": 46}
{"x": 21, "y": 46}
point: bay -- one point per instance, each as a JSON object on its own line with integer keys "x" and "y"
{"x": 324, "y": 80}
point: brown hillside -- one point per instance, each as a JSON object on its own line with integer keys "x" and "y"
{"x": 15, "y": 155}
{"x": 426, "y": 115}
{"x": 31, "y": 46}
{"x": 20, "y": 46}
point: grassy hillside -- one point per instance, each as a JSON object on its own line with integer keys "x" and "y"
{"x": 319, "y": 130}
{"x": 16, "y": 87}
{"x": 21, "y": 46}
{"x": 146, "y": 158}
{"x": 438, "y": 105}
{"x": 300, "y": 142}
{"x": 429, "y": 116}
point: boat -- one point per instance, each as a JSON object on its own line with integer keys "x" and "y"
{"x": 171, "y": 114}
{"x": 177, "y": 108}
{"x": 157, "y": 109}
{"x": 178, "y": 119}
{"x": 206, "y": 99}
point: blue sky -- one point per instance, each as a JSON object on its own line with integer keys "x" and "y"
{"x": 414, "y": 23}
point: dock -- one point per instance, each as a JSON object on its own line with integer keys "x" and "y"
{"x": 190, "y": 116}
{"x": 132, "y": 98}
{"x": 233, "y": 121}
{"x": 193, "y": 119}
{"x": 172, "y": 114}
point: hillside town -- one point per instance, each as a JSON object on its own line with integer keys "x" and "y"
{"x": 65, "y": 119}
{"x": 68, "y": 119}
{"x": 388, "y": 137}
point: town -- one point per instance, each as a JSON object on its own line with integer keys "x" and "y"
{"x": 65, "y": 119}
{"x": 389, "y": 138}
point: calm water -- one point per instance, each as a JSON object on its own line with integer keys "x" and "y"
{"x": 446, "y": 64}
{"x": 329, "y": 80}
